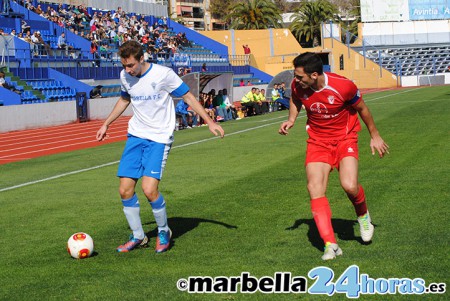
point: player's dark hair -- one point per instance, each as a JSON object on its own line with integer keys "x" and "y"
{"x": 131, "y": 48}
{"x": 310, "y": 62}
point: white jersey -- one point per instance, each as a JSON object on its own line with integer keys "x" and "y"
{"x": 153, "y": 107}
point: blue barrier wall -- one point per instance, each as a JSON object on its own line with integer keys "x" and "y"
{"x": 261, "y": 75}
{"x": 69, "y": 81}
{"x": 9, "y": 98}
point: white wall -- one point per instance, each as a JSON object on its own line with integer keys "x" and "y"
{"x": 409, "y": 32}
{"x": 29, "y": 116}
{"x": 425, "y": 80}
{"x": 21, "y": 117}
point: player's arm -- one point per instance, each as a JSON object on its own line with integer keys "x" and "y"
{"x": 295, "y": 107}
{"x": 376, "y": 142}
{"x": 118, "y": 109}
{"x": 190, "y": 99}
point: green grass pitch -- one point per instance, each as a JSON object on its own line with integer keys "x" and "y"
{"x": 237, "y": 204}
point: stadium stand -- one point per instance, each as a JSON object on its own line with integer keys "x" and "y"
{"x": 411, "y": 60}
{"x": 93, "y": 36}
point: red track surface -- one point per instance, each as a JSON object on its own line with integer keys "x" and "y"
{"x": 27, "y": 144}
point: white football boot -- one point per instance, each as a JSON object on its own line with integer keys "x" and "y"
{"x": 331, "y": 251}
{"x": 365, "y": 227}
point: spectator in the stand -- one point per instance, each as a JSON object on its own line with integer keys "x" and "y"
{"x": 121, "y": 29}
{"x": 2, "y": 32}
{"x": 247, "y": 50}
{"x": 40, "y": 43}
{"x": 142, "y": 30}
{"x": 5, "y": 85}
{"x": 62, "y": 44}
{"x": 219, "y": 106}
{"x": 61, "y": 22}
{"x": 275, "y": 96}
{"x": 249, "y": 83}
{"x": 38, "y": 10}
{"x": 27, "y": 38}
{"x": 257, "y": 100}
{"x": 28, "y": 4}
{"x": 264, "y": 102}
{"x": 207, "y": 104}
{"x": 4, "y": 6}
{"x": 282, "y": 89}
{"x": 96, "y": 92}
{"x": 144, "y": 40}
{"x": 230, "y": 110}
{"x": 241, "y": 83}
{"x": 206, "y": 101}
{"x": 248, "y": 102}
{"x": 204, "y": 69}
{"x": 20, "y": 36}
{"x": 62, "y": 11}
{"x": 25, "y": 27}
{"x": 95, "y": 55}
{"x": 96, "y": 36}
{"x": 13, "y": 32}
{"x": 182, "y": 109}
{"x": 148, "y": 56}
{"x": 277, "y": 101}
{"x": 172, "y": 47}
{"x": 283, "y": 99}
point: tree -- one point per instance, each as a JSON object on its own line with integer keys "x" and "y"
{"x": 219, "y": 9}
{"x": 255, "y": 14}
{"x": 283, "y": 5}
{"x": 307, "y": 20}
{"x": 350, "y": 12}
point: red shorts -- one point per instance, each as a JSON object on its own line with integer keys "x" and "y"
{"x": 331, "y": 152}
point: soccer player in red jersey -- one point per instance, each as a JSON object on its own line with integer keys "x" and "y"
{"x": 332, "y": 105}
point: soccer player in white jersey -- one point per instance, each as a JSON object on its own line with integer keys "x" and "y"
{"x": 148, "y": 88}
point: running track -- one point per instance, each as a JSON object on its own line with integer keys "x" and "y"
{"x": 27, "y": 144}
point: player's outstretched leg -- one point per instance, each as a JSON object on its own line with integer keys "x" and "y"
{"x": 138, "y": 238}
{"x": 322, "y": 217}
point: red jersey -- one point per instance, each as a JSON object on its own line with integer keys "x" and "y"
{"x": 330, "y": 111}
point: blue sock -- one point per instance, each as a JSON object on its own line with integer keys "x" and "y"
{"x": 159, "y": 211}
{"x": 132, "y": 213}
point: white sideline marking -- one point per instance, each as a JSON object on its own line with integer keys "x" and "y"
{"x": 178, "y": 146}
{"x": 115, "y": 162}
{"x": 58, "y": 176}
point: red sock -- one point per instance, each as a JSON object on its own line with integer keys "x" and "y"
{"x": 322, "y": 216}
{"x": 359, "y": 202}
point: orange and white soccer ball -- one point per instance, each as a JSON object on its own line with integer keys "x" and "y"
{"x": 80, "y": 245}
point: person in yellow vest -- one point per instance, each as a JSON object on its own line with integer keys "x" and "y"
{"x": 249, "y": 103}
{"x": 275, "y": 97}
{"x": 257, "y": 99}
{"x": 264, "y": 102}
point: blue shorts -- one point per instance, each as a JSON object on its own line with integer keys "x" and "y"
{"x": 142, "y": 157}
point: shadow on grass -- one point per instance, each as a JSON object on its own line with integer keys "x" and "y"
{"x": 342, "y": 227}
{"x": 182, "y": 225}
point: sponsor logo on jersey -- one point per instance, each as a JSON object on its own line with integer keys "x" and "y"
{"x": 318, "y": 107}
